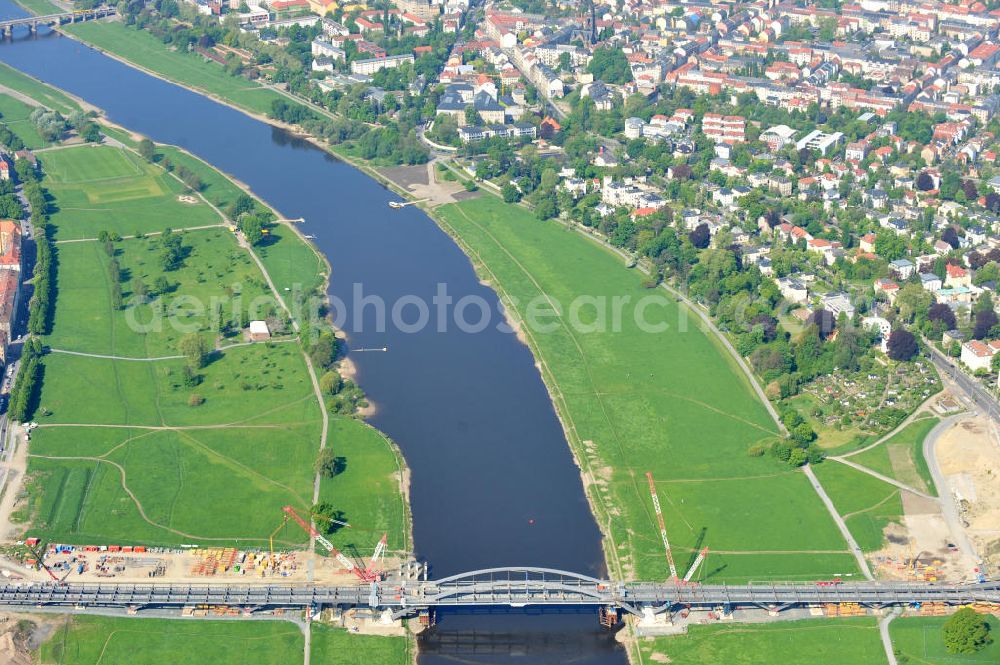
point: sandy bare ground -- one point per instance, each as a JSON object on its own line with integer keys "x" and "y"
{"x": 422, "y": 182}
{"x": 14, "y": 466}
{"x": 969, "y": 457}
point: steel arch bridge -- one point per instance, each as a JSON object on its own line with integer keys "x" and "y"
{"x": 516, "y": 587}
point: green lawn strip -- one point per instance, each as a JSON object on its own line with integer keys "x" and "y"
{"x": 41, "y": 92}
{"x": 806, "y": 642}
{"x": 207, "y": 486}
{"x": 259, "y": 385}
{"x": 190, "y": 69}
{"x": 670, "y": 402}
{"x": 334, "y": 646}
{"x": 367, "y": 490}
{"x": 293, "y": 264}
{"x": 91, "y": 640}
{"x": 218, "y": 283}
{"x": 866, "y": 503}
{"x": 109, "y": 189}
{"x": 920, "y": 641}
{"x": 40, "y": 7}
{"x": 14, "y": 113}
{"x": 907, "y": 448}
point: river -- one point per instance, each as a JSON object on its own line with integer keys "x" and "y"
{"x": 493, "y": 480}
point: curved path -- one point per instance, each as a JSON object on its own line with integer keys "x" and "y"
{"x": 947, "y": 500}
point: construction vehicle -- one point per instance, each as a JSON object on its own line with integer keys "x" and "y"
{"x": 38, "y": 551}
{"x": 366, "y": 574}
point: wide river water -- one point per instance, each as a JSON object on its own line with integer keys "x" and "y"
{"x": 493, "y": 480}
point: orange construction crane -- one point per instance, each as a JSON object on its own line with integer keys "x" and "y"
{"x": 368, "y": 574}
{"x": 663, "y": 527}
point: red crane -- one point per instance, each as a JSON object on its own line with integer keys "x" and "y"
{"x": 368, "y": 574}
{"x": 663, "y": 527}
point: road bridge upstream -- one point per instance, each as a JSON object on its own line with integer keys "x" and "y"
{"x": 32, "y": 23}
{"x": 507, "y": 587}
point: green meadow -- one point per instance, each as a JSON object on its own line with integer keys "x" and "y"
{"x": 218, "y": 283}
{"x": 866, "y": 503}
{"x": 41, "y": 92}
{"x": 102, "y": 188}
{"x": 91, "y": 640}
{"x": 290, "y": 260}
{"x": 14, "y": 113}
{"x": 671, "y": 402}
{"x": 189, "y": 69}
{"x": 919, "y": 641}
{"x": 806, "y": 642}
{"x": 901, "y": 457}
{"x": 129, "y": 447}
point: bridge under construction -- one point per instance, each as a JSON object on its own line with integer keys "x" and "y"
{"x": 407, "y": 596}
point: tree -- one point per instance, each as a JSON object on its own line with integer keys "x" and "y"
{"x": 824, "y": 322}
{"x": 146, "y": 150}
{"x": 610, "y": 65}
{"x": 951, "y": 237}
{"x": 139, "y": 290}
{"x": 241, "y": 205}
{"x": 942, "y": 313}
{"x": 331, "y": 383}
{"x": 889, "y": 246}
{"x": 171, "y": 251}
{"x": 965, "y": 632}
{"x": 329, "y": 464}
{"x": 546, "y": 208}
{"x": 510, "y": 193}
{"x": 194, "y": 349}
{"x": 925, "y": 182}
{"x": 252, "y": 227}
{"x": 902, "y": 344}
{"x": 701, "y": 236}
{"x": 985, "y": 320}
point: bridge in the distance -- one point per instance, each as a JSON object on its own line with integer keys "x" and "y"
{"x": 54, "y": 20}
{"x": 497, "y": 587}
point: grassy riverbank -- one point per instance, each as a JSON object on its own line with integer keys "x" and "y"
{"x": 672, "y": 402}
{"x": 88, "y": 640}
{"x": 188, "y": 69}
{"x": 807, "y": 642}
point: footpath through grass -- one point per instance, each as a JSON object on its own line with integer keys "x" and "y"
{"x": 806, "y": 642}
{"x": 672, "y": 402}
{"x": 902, "y": 456}
{"x": 101, "y": 188}
{"x": 866, "y": 503}
{"x": 919, "y": 641}
{"x": 43, "y": 93}
{"x": 129, "y": 448}
{"x": 189, "y": 69}
{"x": 89, "y": 640}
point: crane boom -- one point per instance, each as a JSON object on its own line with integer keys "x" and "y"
{"x": 366, "y": 575}
{"x": 697, "y": 562}
{"x": 663, "y": 526}
{"x": 371, "y": 570}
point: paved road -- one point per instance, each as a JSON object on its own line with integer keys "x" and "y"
{"x": 883, "y": 630}
{"x": 974, "y": 391}
{"x": 851, "y": 543}
{"x": 949, "y": 508}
